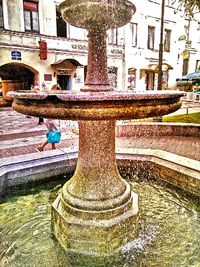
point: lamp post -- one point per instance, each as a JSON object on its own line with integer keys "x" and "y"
{"x": 160, "y": 60}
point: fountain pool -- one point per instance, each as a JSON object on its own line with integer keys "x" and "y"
{"x": 169, "y": 229}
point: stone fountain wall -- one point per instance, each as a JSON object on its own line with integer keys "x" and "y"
{"x": 139, "y": 129}
{"x": 143, "y": 164}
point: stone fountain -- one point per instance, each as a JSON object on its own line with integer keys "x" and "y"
{"x": 96, "y": 211}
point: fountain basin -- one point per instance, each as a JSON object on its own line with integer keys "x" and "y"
{"x": 87, "y": 14}
{"x": 116, "y": 105}
{"x": 162, "y": 209}
{"x": 179, "y": 171}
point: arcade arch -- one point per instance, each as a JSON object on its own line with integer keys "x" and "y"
{"x": 17, "y": 76}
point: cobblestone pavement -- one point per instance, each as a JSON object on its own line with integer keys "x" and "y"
{"x": 20, "y": 135}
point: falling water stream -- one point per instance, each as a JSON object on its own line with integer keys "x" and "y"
{"x": 169, "y": 231}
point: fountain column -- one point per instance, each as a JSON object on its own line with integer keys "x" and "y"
{"x": 96, "y": 176}
{"x": 96, "y": 184}
{"x": 97, "y": 70}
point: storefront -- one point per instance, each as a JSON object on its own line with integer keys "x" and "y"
{"x": 150, "y": 74}
{"x": 68, "y": 73}
{"x": 131, "y": 78}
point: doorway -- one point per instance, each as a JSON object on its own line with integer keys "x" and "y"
{"x": 150, "y": 76}
{"x": 64, "y": 81}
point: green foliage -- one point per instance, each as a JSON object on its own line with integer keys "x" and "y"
{"x": 186, "y": 118}
{"x": 190, "y": 6}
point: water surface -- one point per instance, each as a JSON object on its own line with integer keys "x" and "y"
{"x": 169, "y": 230}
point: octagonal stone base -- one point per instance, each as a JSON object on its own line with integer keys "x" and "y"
{"x": 94, "y": 236}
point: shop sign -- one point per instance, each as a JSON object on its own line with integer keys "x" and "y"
{"x": 79, "y": 46}
{"x": 43, "y": 50}
{"x": 185, "y": 54}
{"x": 64, "y": 72}
{"x": 47, "y": 77}
{"x": 30, "y": 6}
{"x": 16, "y": 55}
{"x": 164, "y": 67}
{"x": 116, "y": 51}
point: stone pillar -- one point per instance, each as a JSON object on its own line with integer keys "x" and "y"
{"x": 96, "y": 177}
{"x": 97, "y": 69}
{"x": 96, "y": 211}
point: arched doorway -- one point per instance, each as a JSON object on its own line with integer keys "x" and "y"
{"x": 65, "y": 70}
{"x": 16, "y": 76}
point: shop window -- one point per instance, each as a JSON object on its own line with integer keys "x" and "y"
{"x": 63, "y": 28}
{"x": 197, "y": 65}
{"x": 133, "y": 27}
{"x": 185, "y": 66}
{"x": 167, "y": 40}
{"x": 151, "y": 37}
{"x": 165, "y": 79}
{"x": 113, "y": 36}
{"x": 112, "y": 76}
{"x": 1, "y": 14}
{"x": 31, "y": 18}
{"x": 131, "y": 78}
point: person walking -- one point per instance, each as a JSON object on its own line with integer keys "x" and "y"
{"x": 53, "y": 135}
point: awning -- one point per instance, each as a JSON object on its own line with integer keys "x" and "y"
{"x": 154, "y": 67}
{"x": 131, "y": 71}
{"x": 66, "y": 63}
{"x": 165, "y": 67}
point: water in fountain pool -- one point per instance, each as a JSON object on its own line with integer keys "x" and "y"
{"x": 169, "y": 231}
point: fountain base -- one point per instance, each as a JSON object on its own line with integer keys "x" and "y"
{"x": 94, "y": 236}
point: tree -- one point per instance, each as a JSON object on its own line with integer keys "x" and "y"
{"x": 190, "y": 6}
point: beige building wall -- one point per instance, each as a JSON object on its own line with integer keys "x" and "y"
{"x": 144, "y": 60}
{"x": 14, "y": 38}
{"x": 122, "y": 56}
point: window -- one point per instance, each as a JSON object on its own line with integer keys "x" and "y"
{"x": 62, "y": 26}
{"x": 133, "y": 27}
{"x": 1, "y": 14}
{"x": 31, "y": 19}
{"x": 151, "y": 37}
{"x": 167, "y": 40}
{"x": 197, "y": 65}
{"x": 185, "y": 66}
{"x": 113, "y": 36}
{"x": 112, "y": 76}
{"x": 131, "y": 78}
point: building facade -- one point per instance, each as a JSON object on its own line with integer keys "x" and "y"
{"x": 38, "y": 48}
{"x": 181, "y": 45}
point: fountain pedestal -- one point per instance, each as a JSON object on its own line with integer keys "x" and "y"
{"x": 96, "y": 211}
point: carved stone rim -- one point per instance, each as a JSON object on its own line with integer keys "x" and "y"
{"x": 97, "y": 96}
